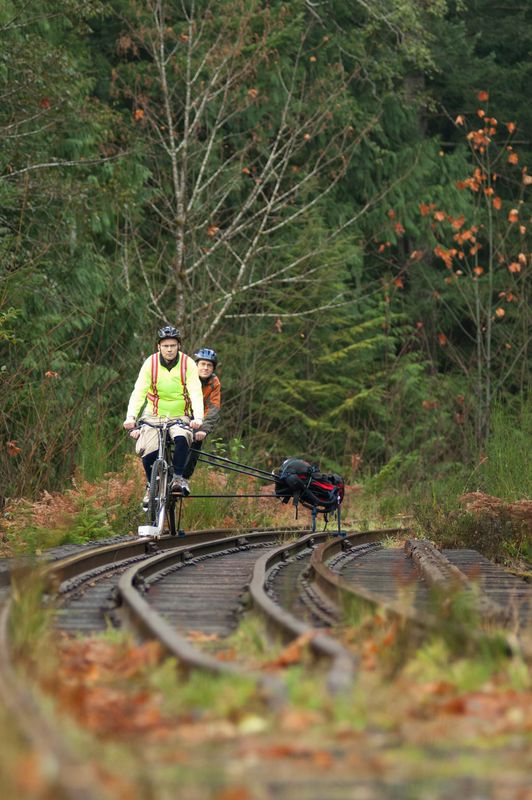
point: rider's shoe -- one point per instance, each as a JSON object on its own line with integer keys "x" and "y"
{"x": 146, "y": 498}
{"x": 180, "y": 486}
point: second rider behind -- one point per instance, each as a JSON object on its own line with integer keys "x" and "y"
{"x": 168, "y": 383}
{"x": 206, "y": 360}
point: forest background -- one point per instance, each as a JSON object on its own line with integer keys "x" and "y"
{"x": 333, "y": 195}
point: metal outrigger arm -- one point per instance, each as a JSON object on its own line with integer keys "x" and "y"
{"x": 296, "y": 480}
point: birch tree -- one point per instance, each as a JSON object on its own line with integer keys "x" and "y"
{"x": 247, "y": 121}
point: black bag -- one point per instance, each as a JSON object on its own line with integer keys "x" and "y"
{"x": 305, "y": 484}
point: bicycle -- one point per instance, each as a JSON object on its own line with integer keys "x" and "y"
{"x": 161, "y": 502}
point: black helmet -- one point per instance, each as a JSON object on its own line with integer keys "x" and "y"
{"x": 205, "y": 354}
{"x": 168, "y": 332}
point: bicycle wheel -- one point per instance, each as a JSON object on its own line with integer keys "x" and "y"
{"x": 158, "y": 487}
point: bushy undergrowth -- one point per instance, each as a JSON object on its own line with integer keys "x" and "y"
{"x": 501, "y": 531}
{"x": 85, "y": 512}
{"x": 111, "y": 507}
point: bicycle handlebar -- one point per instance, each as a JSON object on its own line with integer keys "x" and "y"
{"x": 168, "y": 422}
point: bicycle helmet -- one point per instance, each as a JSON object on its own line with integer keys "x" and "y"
{"x": 205, "y": 354}
{"x": 168, "y": 332}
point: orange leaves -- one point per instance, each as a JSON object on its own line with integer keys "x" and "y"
{"x": 460, "y": 120}
{"x": 138, "y": 114}
{"x": 253, "y": 93}
{"x": 12, "y": 448}
{"x": 445, "y": 255}
{"x": 278, "y": 325}
{"x": 478, "y": 271}
{"x": 234, "y": 793}
{"x": 212, "y": 230}
{"x": 513, "y": 158}
{"x": 474, "y": 182}
{"x": 457, "y": 222}
{"x": 293, "y": 653}
{"x": 483, "y": 96}
{"x": 425, "y": 209}
{"x": 92, "y": 687}
{"x": 497, "y": 203}
{"x": 514, "y": 267}
{"x": 439, "y": 216}
{"x": 511, "y": 126}
{"x": 51, "y": 374}
{"x": 513, "y": 215}
{"x": 200, "y": 637}
{"x": 500, "y": 312}
{"x": 399, "y": 229}
{"x": 465, "y": 236}
{"x": 442, "y": 339}
{"x": 478, "y": 138}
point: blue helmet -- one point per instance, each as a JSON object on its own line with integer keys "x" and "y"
{"x": 168, "y": 332}
{"x": 205, "y": 354}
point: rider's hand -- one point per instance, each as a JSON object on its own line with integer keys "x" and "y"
{"x": 135, "y": 434}
{"x": 129, "y": 424}
{"x": 200, "y": 436}
{"x": 196, "y": 424}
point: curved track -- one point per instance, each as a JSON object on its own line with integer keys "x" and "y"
{"x": 296, "y": 580}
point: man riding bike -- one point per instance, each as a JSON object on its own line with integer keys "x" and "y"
{"x": 168, "y": 385}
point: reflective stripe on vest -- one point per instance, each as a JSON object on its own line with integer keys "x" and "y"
{"x": 153, "y": 396}
{"x": 188, "y": 404}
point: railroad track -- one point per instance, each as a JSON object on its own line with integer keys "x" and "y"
{"x": 298, "y": 581}
{"x": 419, "y": 583}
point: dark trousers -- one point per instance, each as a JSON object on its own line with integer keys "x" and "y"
{"x": 179, "y": 457}
{"x": 193, "y": 455}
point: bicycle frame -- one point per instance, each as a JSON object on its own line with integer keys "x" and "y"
{"x": 161, "y": 503}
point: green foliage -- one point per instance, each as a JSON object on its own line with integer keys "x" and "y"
{"x": 30, "y": 621}
{"x": 505, "y": 468}
{"x": 273, "y": 208}
{"x": 435, "y": 660}
{"x": 204, "y": 693}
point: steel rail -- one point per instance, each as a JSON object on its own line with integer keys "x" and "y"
{"x": 337, "y": 589}
{"x": 342, "y": 665}
{"x": 106, "y": 555}
{"x": 71, "y": 777}
{"x": 147, "y": 623}
{"x": 434, "y": 568}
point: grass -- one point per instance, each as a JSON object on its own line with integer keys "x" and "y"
{"x": 417, "y": 700}
{"x": 407, "y": 713}
{"x": 111, "y": 507}
{"x": 29, "y": 620}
